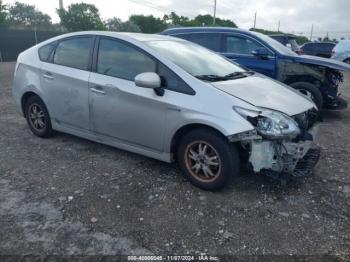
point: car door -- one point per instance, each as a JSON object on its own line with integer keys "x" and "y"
{"x": 118, "y": 108}
{"x": 239, "y": 48}
{"x": 65, "y": 82}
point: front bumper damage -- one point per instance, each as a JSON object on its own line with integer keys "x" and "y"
{"x": 279, "y": 157}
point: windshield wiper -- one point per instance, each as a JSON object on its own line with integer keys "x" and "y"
{"x": 234, "y": 75}
{"x": 211, "y": 78}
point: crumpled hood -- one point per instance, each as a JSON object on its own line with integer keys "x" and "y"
{"x": 315, "y": 60}
{"x": 262, "y": 91}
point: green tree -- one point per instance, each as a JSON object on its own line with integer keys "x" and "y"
{"x": 80, "y": 17}
{"x": 207, "y": 20}
{"x": 2, "y": 13}
{"x": 115, "y": 24}
{"x": 25, "y": 15}
{"x": 148, "y": 24}
{"x": 175, "y": 19}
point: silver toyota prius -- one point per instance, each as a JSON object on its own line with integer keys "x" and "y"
{"x": 168, "y": 99}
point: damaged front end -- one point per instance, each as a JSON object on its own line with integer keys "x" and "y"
{"x": 280, "y": 145}
{"x": 327, "y": 78}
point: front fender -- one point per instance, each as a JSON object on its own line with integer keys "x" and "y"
{"x": 225, "y": 125}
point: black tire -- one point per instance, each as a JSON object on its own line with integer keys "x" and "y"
{"x": 305, "y": 87}
{"x": 347, "y": 61}
{"x": 36, "y": 127}
{"x": 227, "y": 159}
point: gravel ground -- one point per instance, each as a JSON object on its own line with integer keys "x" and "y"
{"x": 67, "y": 195}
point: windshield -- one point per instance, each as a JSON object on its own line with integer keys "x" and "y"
{"x": 196, "y": 60}
{"x": 283, "y": 50}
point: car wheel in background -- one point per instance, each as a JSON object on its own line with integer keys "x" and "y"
{"x": 38, "y": 117}
{"x": 347, "y": 61}
{"x": 207, "y": 160}
{"x": 310, "y": 91}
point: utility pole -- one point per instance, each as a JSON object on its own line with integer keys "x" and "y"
{"x": 214, "y": 18}
{"x": 254, "y": 21}
{"x": 312, "y": 32}
{"x": 61, "y": 4}
{"x": 279, "y": 24}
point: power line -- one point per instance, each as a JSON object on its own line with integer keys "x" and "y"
{"x": 150, "y": 5}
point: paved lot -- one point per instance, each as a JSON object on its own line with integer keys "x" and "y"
{"x": 67, "y": 195}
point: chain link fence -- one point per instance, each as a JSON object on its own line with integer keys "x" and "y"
{"x": 13, "y": 42}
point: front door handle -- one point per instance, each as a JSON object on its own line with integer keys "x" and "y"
{"x": 97, "y": 90}
{"x": 48, "y": 76}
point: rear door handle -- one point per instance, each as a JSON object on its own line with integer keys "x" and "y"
{"x": 97, "y": 90}
{"x": 48, "y": 76}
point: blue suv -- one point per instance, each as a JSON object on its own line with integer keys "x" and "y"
{"x": 318, "y": 78}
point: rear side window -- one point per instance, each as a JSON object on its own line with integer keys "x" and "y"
{"x": 173, "y": 82}
{"x": 211, "y": 41}
{"x": 240, "y": 45}
{"x": 74, "y": 52}
{"x": 122, "y": 60}
{"x": 45, "y": 51}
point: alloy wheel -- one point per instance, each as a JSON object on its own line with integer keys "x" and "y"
{"x": 203, "y": 161}
{"x": 37, "y": 117}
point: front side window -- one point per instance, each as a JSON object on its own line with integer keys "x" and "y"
{"x": 74, "y": 52}
{"x": 45, "y": 51}
{"x": 211, "y": 41}
{"x": 173, "y": 82}
{"x": 240, "y": 45}
{"x": 122, "y": 60}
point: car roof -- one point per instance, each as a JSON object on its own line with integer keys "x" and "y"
{"x": 136, "y": 36}
{"x": 180, "y": 30}
{"x": 284, "y": 35}
{"x": 317, "y": 43}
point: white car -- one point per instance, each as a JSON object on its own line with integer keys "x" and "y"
{"x": 168, "y": 99}
{"x": 341, "y": 51}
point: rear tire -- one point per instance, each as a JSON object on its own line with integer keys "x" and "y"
{"x": 38, "y": 117}
{"x": 207, "y": 159}
{"x": 311, "y": 91}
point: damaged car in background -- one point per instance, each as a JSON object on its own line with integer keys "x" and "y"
{"x": 316, "y": 77}
{"x": 158, "y": 96}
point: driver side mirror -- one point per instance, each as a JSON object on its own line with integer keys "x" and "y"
{"x": 148, "y": 80}
{"x": 261, "y": 52}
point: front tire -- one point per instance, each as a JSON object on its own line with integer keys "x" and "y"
{"x": 311, "y": 91}
{"x": 38, "y": 117}
{"x": 207, "y": 160}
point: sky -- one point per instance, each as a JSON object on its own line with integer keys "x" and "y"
{"x": 327, "y": 16}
